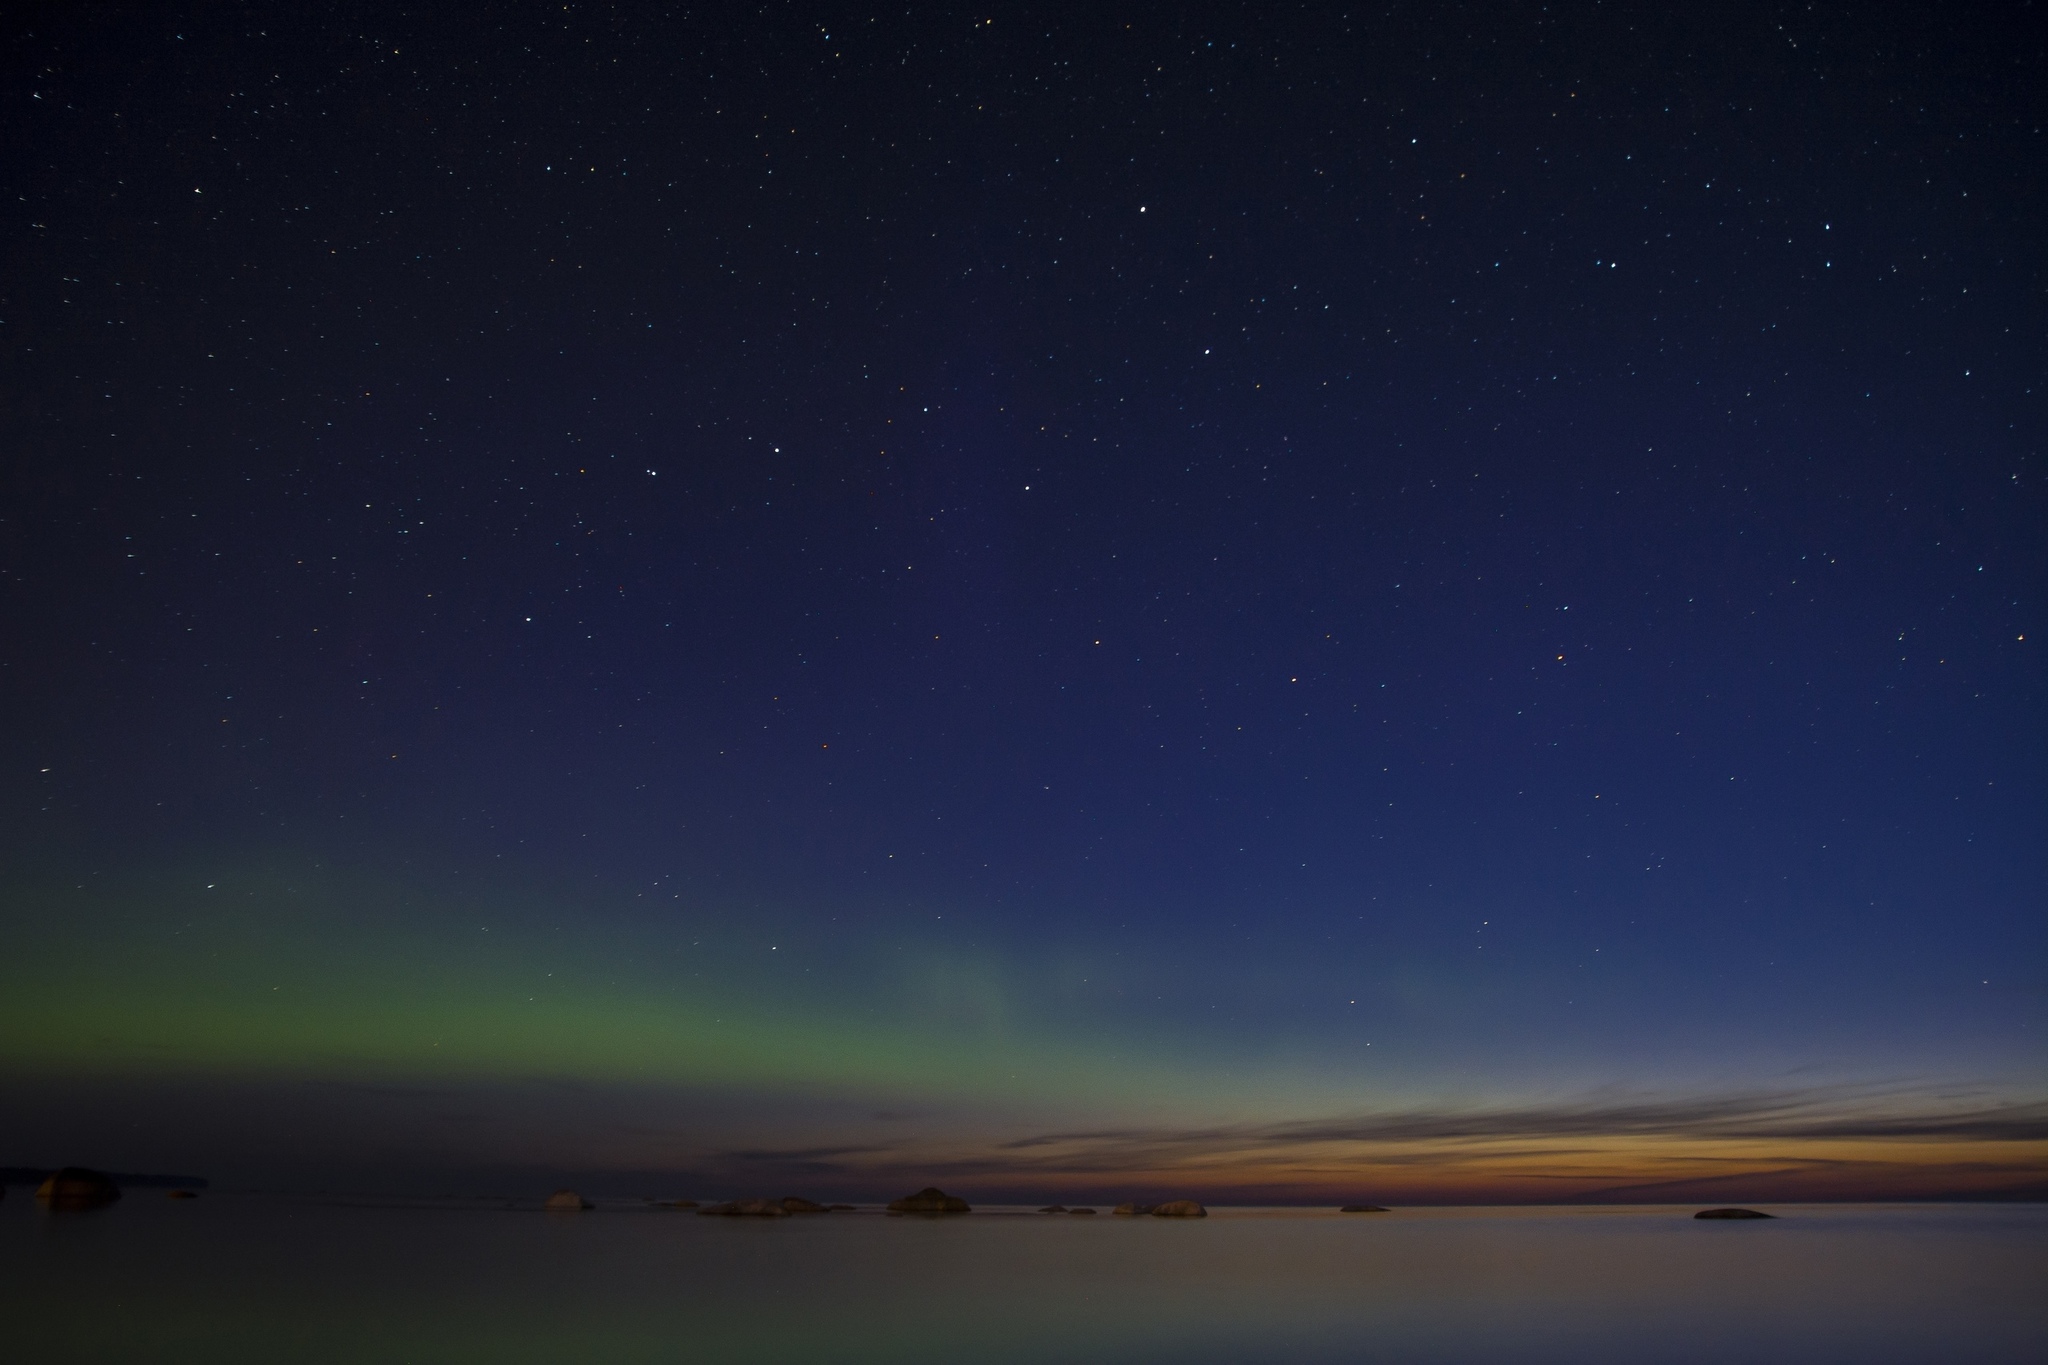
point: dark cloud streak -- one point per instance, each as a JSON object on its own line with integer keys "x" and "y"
{"x": 1836, "y": 1112}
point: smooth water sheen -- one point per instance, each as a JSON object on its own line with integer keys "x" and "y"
{"x": 229, "y": 1278}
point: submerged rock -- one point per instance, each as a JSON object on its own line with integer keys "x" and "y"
{"x": 566, "y": 1201}
{"x": 930, "y": 1199}
{"x": 1131, "y": 1210}
{"x": 796, "y": 1205}
{"x": 1179, "y": 1208}
{"x": 1361, "y": 1208}
{"x": 746, "y": 1208}
{"x": 75, "y": 1187}
{"x": 1732, "y": 1213}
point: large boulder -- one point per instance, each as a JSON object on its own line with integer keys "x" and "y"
{"x": 930, "y": 1199}
{"x": 1732, "y": 1213}
{"x": 746, "y": 1208}
{"x": 1179, "y": 1208}
{"x": 75, "y": 1187}
{"x": 566, "y": 1201}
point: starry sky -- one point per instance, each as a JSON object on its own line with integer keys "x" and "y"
{"x": 1432, "y": 602}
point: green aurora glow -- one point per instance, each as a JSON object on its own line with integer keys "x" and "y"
{"x": 273, "y": 975}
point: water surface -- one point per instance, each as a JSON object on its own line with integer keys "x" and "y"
{"x": 230, "y": 1278}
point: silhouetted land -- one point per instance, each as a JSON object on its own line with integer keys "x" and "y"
{"x": 35, "y": 1175}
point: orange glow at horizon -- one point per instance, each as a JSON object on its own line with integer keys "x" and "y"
{"x": 1628, "y": 1169}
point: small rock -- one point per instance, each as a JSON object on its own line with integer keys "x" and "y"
{"x": 1361, "y": 1208}
{"x": 930, "y": 1200}
{"x": 1131, "y": 1210}
{"x": 1179, "y": 1208}
{"x": 1732, "y": 1213}
{"x": 1080, "y": 1210}
{"x": 796, "y": 1205}
{"x": 1054, "y": 1208}
{"x": 75, "y": 1187}
{"x": 746, "y": 1208}
{"x": 566, "y": 1201}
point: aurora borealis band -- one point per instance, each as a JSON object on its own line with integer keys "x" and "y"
{"x": 1275, "y": 608}
{"x": 334, "y": 1017}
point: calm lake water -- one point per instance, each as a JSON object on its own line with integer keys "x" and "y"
{"x": 229, "y": 1278}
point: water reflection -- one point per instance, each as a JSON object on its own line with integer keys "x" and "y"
{"x": 232, "y": 1278}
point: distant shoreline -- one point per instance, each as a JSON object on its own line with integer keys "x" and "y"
{"x": 35, "y": 1175}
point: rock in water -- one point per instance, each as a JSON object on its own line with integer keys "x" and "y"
{"x": 1179, "y": 1208}
{"x": 1084, "y": 1211}
{"x": 796, "y": 1205}
{"x": 566, "y": 1201}
{"x": 930, "y": 1200}
{"x": 747, "y": 1208}
{"x": 1361, "y": 1208}
{"x": 1732, "y": 1213}
{"x": 75, "y": 1187}
{"x": 1054, "y": 1208}
{"x": 1131, "y": 1210}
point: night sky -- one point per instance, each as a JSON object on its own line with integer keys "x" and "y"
{"x": 1434, "y": 602}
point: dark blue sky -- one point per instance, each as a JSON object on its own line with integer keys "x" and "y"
{"x": 1512, "y": 536}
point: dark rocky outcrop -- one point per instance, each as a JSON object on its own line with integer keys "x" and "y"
{"x": 796, "y": 1205}
{"x": 566, "y": 1201}
{"x": 1131, "y": 1210}
{"x": 930, "y": 1200}
{"x": 1361, "y": 1208}
{"x": 1179, "y": 1208}
{"x": 75, "y": 1187}
{"x": 746, "y": 1208}
{"x": 1054, "y": 1208}
{"x": 1732, "y": 1213}
{"x": 1080, "y": 1210}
